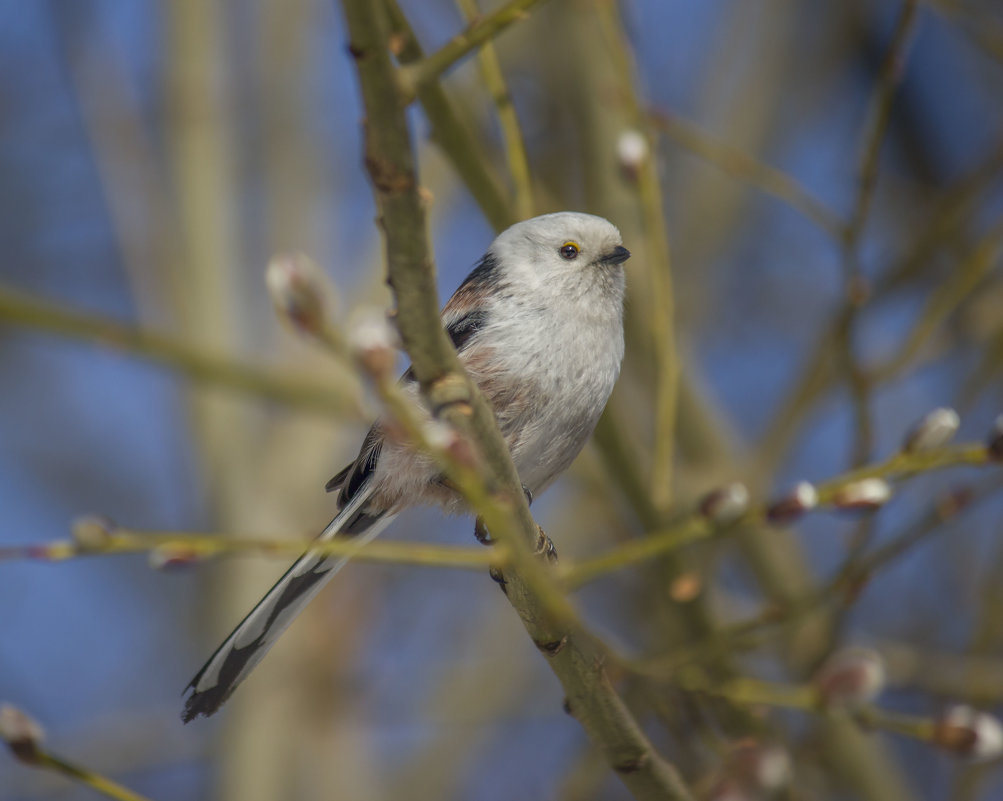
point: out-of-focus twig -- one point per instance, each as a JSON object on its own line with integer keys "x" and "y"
{"x": 985, "y": 32}
{"x": 414, "y": 76}
{"x": 195, "y": 546}
{"x": 875, "y": 128}
{"x": 24, "y": 737}
{"x": 662, "y": 317}
{"x": 193, "y": 362}
{"x": 451, "y": 132}
{"x": 515, "y": 148}
{"x": 743, "y": 167}
{"x": 948, "y": 296}
{"x": 697, "y": 526}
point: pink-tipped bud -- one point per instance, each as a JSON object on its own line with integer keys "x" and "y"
{"x": 632, "y": 152}
{"x": 373, "y": 342}
{"x": 866, "y": 494}
{"x": 934, "y": 430}
{"x": 760, "y": 767}
{"x": 296, "y": 285}
{"x": 446, "y": 439}
{"x": 969, "y": 733}
{"x": 802, "y": 498}
{"x": 994, "y": 444}
{"x": 91, "y": 532}
{"x": 172, "y": 556}
{"x": 728, "y": 790}
{"x": 685, "y": 588}
{"x": 850, "y": 677}
{"x": 22, "y": 734}
{"x": 726, "y": 504}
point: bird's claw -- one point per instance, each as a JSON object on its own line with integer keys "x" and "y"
{"x": 482, "y": 534}
{"x": 545, "y": 546}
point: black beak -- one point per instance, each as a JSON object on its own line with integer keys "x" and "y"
{"x": 618, "y": 255}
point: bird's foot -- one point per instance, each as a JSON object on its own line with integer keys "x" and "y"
{"x": 545, "y": 546}
{"x": 482, "y": 534}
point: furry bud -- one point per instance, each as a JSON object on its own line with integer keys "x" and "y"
{"x": 91, "y": 532}
{"x": 866, "y": 494}
{"x": 631, "y": 152}
{"x": 760, "y": 767}
{"x": 726, "y": 504}
{"x": 172, "y": 556}
{"x": 934, "y": 430}
{"x": 443, "y": 437}
{"x": 850, "y": 677}
{"x": 22, "y": 734}
{"x": 296, "y": 285}
{"x": 373, "y": 342}
{"x": 995, "y": 442}
{"x": 969, "y": 733}
{"x": 802, "y": 498}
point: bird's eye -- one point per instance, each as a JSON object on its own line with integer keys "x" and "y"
{"x": 570, "y": 251}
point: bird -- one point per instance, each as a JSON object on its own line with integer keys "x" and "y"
{"x": 538, "y": 325}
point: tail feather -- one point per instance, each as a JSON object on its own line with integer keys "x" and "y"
{"x": 250, "y": 641}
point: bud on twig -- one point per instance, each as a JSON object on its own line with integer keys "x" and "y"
{"x": 970, "y": 733}
{"x": 685, "y": 588}
{"x": 995, "y": 442}
{"x": 934, "y": 430}
{"x": 91, "y": 532}
{"x": 760, "y": 767}
{"x": 726, "y": 504}
{"x": 296, "y": 285}
{"x": 728, "y": 791}
{"x": 802, "y": 498}
{"x": 373, "y": 342}
{"x": 866, "y": 494}
{"x": 850, "y": 677}
{"x": 446, "y": 439}
{"x": 631, "y": 152}
{"x": 22, "y": 734}
{"x": 172, "y": 556}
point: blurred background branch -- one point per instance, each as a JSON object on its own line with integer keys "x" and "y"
{"x": 153, "y": 164}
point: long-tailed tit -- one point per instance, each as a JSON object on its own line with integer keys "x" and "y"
{"x": 538, "y": 325}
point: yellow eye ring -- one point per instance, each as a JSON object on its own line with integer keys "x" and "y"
{"x": 569, "y": 250}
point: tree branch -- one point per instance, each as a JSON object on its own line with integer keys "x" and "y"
{"x": 422, "y": 73}
{"x": 189, "y": 360}
{"x": 591, "y": 697}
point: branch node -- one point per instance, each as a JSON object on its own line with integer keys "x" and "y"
{"x": 450, "y": 390}
{"x": 632, "y": 764}
{"x": 552, "y": 647}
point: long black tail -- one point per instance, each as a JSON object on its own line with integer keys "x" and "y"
{"x": 247, "y": 645}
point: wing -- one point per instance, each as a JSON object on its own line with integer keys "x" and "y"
{"x": 463, "y": 316}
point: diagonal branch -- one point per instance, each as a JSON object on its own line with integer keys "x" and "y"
{"x": 422, "y": 73}
{"x": 591, "y": 697}
{"x": 191, "y": 361}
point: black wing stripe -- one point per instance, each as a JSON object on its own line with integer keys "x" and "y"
{"x": 460, "y": 331}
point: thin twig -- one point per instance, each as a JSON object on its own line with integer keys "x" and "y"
{"x": 193, "y": 362}
{"x": 875, "y": 128}
{"x": 696, "y": 527}
{"x": 743, "y": 167}
{"x": 201, "y": 545}
{"x": 413, "y": 77}
{"x": 452, "y": 133}
{"x": 662, "y": 318}
{"x": 964, "y": 280}
{"x": 515, "y": 149}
